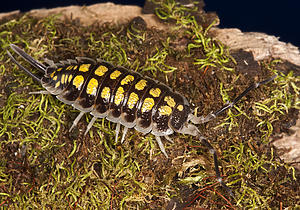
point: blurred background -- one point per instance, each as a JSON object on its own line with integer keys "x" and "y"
{"x": 276, "y": 18}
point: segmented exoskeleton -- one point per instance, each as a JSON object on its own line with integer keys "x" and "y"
{"x": 124, "y": 97}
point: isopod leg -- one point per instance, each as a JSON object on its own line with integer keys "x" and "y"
{"x": 161, "y": 146}
{"x": 40, "y": 92}
{"x": 169, "y": 139}
{"x": 117, "y": 131}
{"x": 90, "y": 125}
{"x": 124, "y": 134}
{"x": 76, "y": 120}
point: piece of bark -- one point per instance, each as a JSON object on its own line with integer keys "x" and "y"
{"x": 289, "y": 146}
{"x": 261, "y": 45}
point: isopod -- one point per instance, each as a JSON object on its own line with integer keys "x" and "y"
{"x": 124, "y": 97}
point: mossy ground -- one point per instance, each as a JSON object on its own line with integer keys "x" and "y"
{"x": 43, "y": 165}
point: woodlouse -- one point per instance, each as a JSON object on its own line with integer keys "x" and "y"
{"x": 124, "y": 97}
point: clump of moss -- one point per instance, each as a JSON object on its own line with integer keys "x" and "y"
{"x": 43, "y": 165}
{"x": 253, "y": 121}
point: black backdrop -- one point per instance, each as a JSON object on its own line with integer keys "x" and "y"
{"x": 272, "y": 17}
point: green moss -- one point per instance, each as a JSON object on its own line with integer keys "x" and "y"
{"x": 281, "y": 100}
{"x": 213, "y": 53}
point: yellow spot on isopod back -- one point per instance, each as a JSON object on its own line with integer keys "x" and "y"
{"x": 59, "y": 69}
{"x": 127, "y": 79}
{"x": 100, "y": 71}
{"x": 78, "y": 81}
{"x": 70, "y": 78}
{"x": 119, "y": 96}
{"x": 69, "y": 67}
{"x": 180, "y": 107}
{"x": 170, "y": 101}
{"x": 62, "y": 79}
{"x": 105, "y": 94}
{"x": 165, "y": 110}
{"x": 84, "y": 67}
{"x": 155, "y": 92}
{"x": 92, "y": 87}
{"x": 55, "y": 78}
{"x": 132, "y": 100}
{"x": 148, "y": 104}
{"x": 66, "y": 79}
{"x": 57, "y": 84}
{"x": 52, "y": 74}
{"x": 141, "y": 84}
{"x": 115, "y": 74}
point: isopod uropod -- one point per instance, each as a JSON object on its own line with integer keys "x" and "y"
{"x": 123, "y": 97}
